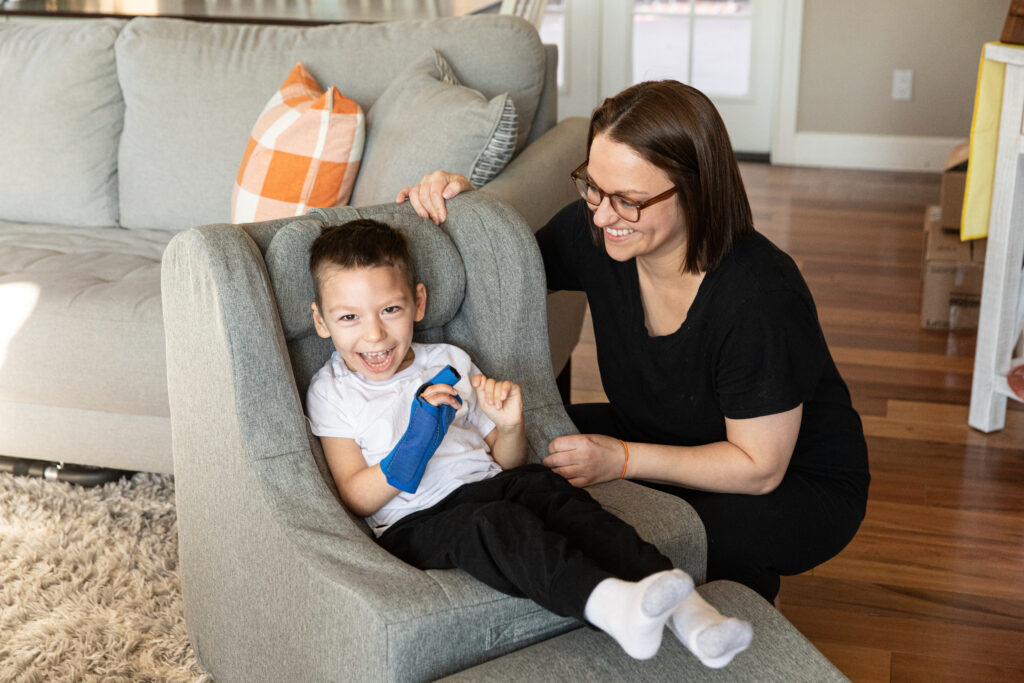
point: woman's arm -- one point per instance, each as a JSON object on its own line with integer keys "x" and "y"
{"x": 363, "y": 489}
{"x": 753, "y": 459}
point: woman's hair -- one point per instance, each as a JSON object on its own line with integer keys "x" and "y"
{"x": 677, "y": 128}
{"x": 361, "y": 243}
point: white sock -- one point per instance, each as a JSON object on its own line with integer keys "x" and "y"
{"x": 634, "y": 614}
{"x": 713, "y": 638}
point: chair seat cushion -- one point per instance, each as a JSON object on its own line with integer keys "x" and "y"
{"x": 87, "y": 328}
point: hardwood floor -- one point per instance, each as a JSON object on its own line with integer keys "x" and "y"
{"x": 932, "y": 586}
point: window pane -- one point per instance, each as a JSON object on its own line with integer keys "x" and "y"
{"x": 661, "y": 46}
{"x": 552, "y": 32}
{"x": 722, "y": 7}
{"x": 662, "y": 6}
{"x": 721, "y": 56}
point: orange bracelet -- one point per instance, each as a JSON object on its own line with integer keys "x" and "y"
{"x": 626, "y": 448}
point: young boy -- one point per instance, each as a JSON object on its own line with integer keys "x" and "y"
{"x": 431, "y": 452}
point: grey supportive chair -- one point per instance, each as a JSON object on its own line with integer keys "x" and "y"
{"x": 280, "y": 582}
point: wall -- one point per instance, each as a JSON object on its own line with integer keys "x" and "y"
{"x": 850, "y": 49}
{"x": 835, "y": 105}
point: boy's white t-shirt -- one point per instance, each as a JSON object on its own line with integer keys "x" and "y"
{"x": 344, "y": 403}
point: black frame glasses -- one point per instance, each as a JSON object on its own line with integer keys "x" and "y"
{"x": 623, "y": 208}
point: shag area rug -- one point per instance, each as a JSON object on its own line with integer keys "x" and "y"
{"x": 89, "y": 589}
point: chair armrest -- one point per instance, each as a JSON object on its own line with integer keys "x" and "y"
{"x": 665, "y": 520}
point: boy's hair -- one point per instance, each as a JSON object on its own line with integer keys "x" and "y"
{"x": 362, "y": 243}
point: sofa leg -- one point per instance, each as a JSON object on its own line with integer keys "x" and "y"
{"x": 564, "y": 382}
{"x": 56, "y": 471}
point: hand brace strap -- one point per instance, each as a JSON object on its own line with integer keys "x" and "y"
{"x": 403, "y": 467}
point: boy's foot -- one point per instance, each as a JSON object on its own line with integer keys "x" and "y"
{"x": 718, "y": 644}
{"x": 634, "y": 614}
{"x": 711, "y": 637}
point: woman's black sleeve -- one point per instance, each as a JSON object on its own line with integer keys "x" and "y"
{"x": 562, "y": 246}
{"x": 771, "y": 357}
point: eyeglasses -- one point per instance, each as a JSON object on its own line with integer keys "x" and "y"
{"x": 627, "y": 209}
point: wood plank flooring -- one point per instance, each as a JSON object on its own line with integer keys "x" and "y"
{"x": 932, "y": 586}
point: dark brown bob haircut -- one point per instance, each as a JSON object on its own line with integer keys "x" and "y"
{"x": 676, "y": 128}
{"x": 362, "y": 243}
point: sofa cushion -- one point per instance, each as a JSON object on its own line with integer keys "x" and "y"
{"x": 304, "y": 152}
{"x": 193, "y": 89}
{"x": 426, "y": 120}
{"x": 60, "y": 119}
{"x": 90, "y": 334}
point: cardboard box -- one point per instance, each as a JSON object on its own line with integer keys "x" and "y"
{"x": 954, "y": 181}
{"x": 1013, "y": 29}
{"x": 951, "y": 275}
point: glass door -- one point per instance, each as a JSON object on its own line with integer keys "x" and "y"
{"x": 729, "y": 49}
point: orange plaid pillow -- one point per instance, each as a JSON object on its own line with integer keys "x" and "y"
{"x": 304, "y": 152}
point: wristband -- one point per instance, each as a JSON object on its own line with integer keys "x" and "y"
{"x": 624, "y": 462}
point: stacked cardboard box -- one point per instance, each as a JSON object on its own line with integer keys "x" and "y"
{"x": 951, "y": 276}
{"x": 954, "y": 180}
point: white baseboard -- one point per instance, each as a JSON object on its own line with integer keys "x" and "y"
{"x": 877, "y": 152}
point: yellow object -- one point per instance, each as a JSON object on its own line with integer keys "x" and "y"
{"x": 988, "y": 101}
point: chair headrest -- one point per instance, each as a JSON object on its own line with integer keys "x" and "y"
{"x": 436, "y": 263}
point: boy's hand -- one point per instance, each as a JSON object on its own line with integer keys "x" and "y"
{"x": 441, "y": 394}
{"x": 501, "y": 401}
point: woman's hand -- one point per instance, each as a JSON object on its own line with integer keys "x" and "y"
{"x": 429, "y": 194}
{"x": 586, "y": 459}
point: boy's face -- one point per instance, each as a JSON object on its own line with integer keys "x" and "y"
{"x": 368, "y": 313}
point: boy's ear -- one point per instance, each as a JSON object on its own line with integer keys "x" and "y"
{"x": 421, "y": 302}
{"x": 318, "y": 322}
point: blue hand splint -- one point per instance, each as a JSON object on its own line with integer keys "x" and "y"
{"x": 403, "y": 467}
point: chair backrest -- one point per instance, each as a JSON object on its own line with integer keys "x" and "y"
{"x": 485, "y": 294}
{"x": 531, "y": 10}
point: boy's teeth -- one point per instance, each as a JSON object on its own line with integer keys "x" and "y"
{"x": 376, "y": 357}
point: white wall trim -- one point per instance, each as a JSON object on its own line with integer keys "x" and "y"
{"x": 840, "y": 150}
{"x": 878, "y": 152}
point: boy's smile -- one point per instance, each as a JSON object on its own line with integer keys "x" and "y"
{"x": 369, "y": 313}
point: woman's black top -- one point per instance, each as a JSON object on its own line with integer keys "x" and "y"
{"x": 751, "y": 345}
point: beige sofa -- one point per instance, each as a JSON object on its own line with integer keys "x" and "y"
{"x": 116, "y": 135}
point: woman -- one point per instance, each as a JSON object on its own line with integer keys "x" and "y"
{"x": 721, "y": 387}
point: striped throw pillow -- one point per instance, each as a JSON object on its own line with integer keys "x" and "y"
{"x": 304, "y": 152}
{"x": 502, "y": 144}
{"x": 426, "y": 120}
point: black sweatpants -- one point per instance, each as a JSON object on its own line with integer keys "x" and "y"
{"x": 526, "y": 532}
{"x": 753, "y": 539}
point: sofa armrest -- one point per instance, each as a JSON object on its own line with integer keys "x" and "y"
{"x": 536, "y": 183}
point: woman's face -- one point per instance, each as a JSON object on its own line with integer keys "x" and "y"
{"x": 616, "y": 168}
